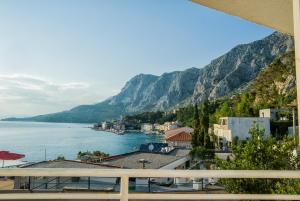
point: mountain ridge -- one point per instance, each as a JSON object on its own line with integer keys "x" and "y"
{"x": 146, "y": 92}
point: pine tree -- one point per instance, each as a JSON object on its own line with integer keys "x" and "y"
{"x": 204, "y": 125}
{"x": 195, "y": 136}
{"x": 202, "y": 146}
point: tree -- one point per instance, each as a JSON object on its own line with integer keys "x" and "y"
{"x": 197, "y": 128}
{"x": 95, "y": 156}
{"x": 202, "y": 146}
{"x": 244, "y": 108}
{"x": 204, "y": 126}
{"x": 60, "y": 158}
{"x": 201, "y": 125}
{"x": 225, "y": 110}
{"x": 260, "y": 153}
{"x": 204, "y": 117}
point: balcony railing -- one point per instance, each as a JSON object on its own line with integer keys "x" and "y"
{"x": 125, "y": 174}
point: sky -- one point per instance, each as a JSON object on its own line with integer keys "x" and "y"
{"x": 57, "y": 54}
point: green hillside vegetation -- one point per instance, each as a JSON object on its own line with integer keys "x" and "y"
{"x": 260, "y": 153}
{"x": 151, "y": 117}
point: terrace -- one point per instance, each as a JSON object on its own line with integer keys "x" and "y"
{"x": 282, "y": 15}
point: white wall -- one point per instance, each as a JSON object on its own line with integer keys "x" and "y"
{"x": 240, "y": 126}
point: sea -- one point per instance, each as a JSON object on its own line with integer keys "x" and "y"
{"x": 46, "y": 141}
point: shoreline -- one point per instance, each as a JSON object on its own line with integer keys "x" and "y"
{"x": 123, "y": 132}
{"x": 117, "y": 132}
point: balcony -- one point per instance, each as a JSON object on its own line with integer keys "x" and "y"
{"x": 124, "y": 174}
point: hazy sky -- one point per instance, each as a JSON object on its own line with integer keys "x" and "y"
{"x": 56, "y": 54}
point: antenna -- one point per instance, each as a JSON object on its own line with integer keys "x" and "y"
{"x": 45, "y": 154}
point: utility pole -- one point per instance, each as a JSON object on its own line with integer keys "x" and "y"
{"x": 293, "y": 105}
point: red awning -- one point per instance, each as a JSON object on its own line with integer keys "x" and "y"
{"x": 6, "y": 155}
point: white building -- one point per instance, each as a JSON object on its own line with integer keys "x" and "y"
{"x": 230, "y": 128}
{"x": 147, "y": 127}
{"x": 170, "y": 125}
{"x": 167, "y": 126}
{"x": 272, "y": 113}
{"x": 106, "y": 125}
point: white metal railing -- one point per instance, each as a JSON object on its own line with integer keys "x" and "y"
{"x": 125, "y": 174}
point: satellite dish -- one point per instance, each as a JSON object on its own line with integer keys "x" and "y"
{"x": 151, "y": 147}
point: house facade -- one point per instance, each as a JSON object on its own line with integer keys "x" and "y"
{"x": 230, "y": 128}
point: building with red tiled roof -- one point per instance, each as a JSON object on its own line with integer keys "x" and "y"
{"x": 181, "y": 137}
{"x": 178, "y": 130}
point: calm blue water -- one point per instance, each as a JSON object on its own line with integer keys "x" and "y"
{"x": 32, "y": 139}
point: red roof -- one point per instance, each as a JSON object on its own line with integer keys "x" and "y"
{"x": 178, "y": 130}
{"x": 182, "y": 136}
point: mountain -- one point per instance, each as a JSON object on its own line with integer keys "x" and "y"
{"x": 143, "y": 92}
{"x": 275, "y": 86}
{"x": 239, "y": 66}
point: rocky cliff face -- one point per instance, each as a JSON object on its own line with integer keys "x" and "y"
{"x": 239, "y": 66}
{"x": 222, "y": 76}
{"x": 275, "y": 86}
{"x": 149, "y": 92}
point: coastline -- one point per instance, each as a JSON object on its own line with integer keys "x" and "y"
{"x": 123, "y": 132}
{"x": 33, "y": 138}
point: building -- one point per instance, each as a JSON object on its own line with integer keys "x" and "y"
{"x": 153, "y": 156}
{"x": 180, "y": 137}
{"x": 149, "y": 156}
{"x": 174, "y": 159}
{"x": 170, "y": 125}
{"x": 146, "y": 127}
{"x": 159, "y": 127}
{"x": 166, "y": 126}
{"x": 118, "y": 125}
{"x": 273, "y": 114}
{"x": 62, "y": 184}
{"x": 106, "y": 125}
{"x": 178, "y": 130}
{"x": 230, "y": 128}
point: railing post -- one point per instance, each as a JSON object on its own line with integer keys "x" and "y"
{"x": 124, "y": 188}
{"x": 29, "y": 183}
